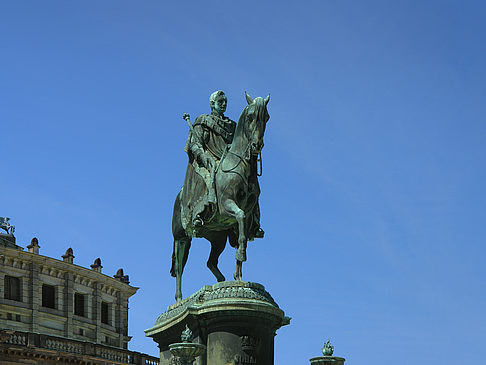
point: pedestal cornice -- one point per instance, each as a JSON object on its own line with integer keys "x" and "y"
{"x": 227, "y": 296}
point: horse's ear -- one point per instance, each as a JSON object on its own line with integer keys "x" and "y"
{"x": 249, "y": 100}
{"x": 267, "y": 99}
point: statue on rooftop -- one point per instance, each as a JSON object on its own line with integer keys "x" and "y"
{"x": 5, "y": 225}
{"x": 219, "y": 199}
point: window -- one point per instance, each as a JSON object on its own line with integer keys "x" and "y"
{"x": 105, "y": 313}
{"x": 10, "y": 317}
{"x": 12, "y": 288}
{"x": 48, "y": 296}
{"x": 79, "y": 300}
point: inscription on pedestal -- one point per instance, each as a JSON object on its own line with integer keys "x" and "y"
{"x": 250, "y": 344}
{"x": 245, "y": 360}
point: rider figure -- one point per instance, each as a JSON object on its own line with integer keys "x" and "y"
{"x": 209, "y": 138}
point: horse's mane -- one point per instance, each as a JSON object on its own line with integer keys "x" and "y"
{"x": 241, "y": 125}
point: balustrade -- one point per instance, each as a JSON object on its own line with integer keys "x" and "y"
{"x": 120, "y": 356}
{"x": 18, "y": 339}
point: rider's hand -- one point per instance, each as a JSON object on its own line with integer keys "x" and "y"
{"x": 208, "y": 162}
{"x": 205, "y": 161}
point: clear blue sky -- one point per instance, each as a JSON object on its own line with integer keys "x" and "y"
{"x": 373, "y": 194}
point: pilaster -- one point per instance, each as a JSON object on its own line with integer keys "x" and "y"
{"x": 68, "y": 307}
{"x": 2, "y": 279}
{"x": 119, "y": 317}
{"x": 34, "y": 296}
{"x": 97, "y": 311}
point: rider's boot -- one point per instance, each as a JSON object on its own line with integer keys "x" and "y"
{"x": 260, "y": 233}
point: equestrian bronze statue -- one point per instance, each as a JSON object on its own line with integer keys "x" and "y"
{"x": 219, "y": 199}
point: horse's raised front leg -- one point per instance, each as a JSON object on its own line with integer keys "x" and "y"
{"x": 181, "y": 251}
{"x": 233, "y": 240}
{"x": 233, "y": 209}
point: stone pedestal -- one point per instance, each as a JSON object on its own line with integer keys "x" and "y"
{"x": 237, "y": 321}
{"x": 7, "y": 240}
{"x": 327, "y": 360}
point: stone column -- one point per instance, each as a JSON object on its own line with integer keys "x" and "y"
{"x": 236, "y": 321}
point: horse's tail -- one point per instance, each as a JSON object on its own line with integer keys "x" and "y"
{"x": 176, "y": 229}
{"x": 180, "y": 237}
{"x": 172, "y": 268}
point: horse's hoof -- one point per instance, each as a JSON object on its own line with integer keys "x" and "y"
{"x": 221, "y": 278}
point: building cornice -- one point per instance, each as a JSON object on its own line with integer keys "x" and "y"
{"x": 57, "y": 268}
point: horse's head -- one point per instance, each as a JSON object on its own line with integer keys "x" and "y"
{"x": 256, "y": 117}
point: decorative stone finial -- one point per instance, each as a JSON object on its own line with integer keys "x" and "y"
{"x": 34, "y": 246}
{"x": 96, "y": 266}
{"x": 186, "y": 335}
{"x": 123, "y": 278}
{"x": 328, "y": 349}
{"x": 327, "y": 359}
{"x": 68, "y": 256}
{"x": 185, "y": 352}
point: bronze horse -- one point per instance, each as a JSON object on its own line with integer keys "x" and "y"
{"x": 237, "y": 194}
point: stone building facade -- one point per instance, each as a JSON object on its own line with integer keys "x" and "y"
{"x": 48, "y": 304}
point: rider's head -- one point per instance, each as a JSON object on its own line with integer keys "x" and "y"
{"x": 217, "y": 102}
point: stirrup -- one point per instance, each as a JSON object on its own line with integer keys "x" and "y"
{"x": 198, "y": 222}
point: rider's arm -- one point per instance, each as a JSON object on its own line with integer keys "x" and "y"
{"x": 199, "y": 141}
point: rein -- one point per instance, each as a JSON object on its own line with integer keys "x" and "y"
{"x": 241, "y": 158}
